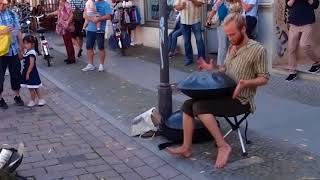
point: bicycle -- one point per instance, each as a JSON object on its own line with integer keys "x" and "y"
{"x": 43, "y": 41}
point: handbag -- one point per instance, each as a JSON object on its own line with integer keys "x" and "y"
{"x": 5, "y": 41}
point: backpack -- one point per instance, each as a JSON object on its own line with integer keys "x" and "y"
{"x": 78, "y": 13}
{"x": 172, "y": 130}
{"x": 222, "y": 12}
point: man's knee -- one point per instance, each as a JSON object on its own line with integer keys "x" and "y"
{"x": 187, "y": 107}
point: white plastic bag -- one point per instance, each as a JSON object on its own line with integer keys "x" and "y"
{"x": 145, "y": 122}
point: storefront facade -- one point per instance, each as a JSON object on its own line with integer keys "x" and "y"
{"x": 147, "y": 33}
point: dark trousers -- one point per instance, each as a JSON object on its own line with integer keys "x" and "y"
{"x": 223, "y": 107}
{"x": 14, "y": 66}
{"x": 251, "y": 25}
{"x": 67, "y": 38}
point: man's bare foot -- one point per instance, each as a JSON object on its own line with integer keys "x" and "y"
{"x": 223, "y": 156}
{"x": 180, "y": 151}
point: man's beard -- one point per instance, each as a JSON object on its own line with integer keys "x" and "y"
{"x": 240, "y": 40}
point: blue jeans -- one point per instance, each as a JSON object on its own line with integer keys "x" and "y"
{"x": 173, "y": 37}
{"x": 186, "y": 31}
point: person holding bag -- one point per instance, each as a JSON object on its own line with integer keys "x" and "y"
{"x": 9, "y": 58}
{"x": 65, "y": 27}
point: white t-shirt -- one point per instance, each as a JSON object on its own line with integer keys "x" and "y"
{"x": 254, "y": 10}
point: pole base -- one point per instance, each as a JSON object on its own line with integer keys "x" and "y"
{"x": 165, "y": 101}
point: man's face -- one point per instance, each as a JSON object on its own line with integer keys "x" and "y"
{"x": 3, "y": 5}
{"x": 234, "y": 34}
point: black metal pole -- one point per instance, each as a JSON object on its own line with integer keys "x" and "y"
{"x": 164, "y": 91}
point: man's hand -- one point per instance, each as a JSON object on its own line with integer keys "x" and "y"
{"x": 203, "y": 65}
{"x": 27, "y": 76}
{"x": 241, "y": 85}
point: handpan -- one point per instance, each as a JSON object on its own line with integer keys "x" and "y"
{"x": 207, "y": 85}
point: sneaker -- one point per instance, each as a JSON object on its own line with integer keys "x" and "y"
{"x": 41, "y": 102}
{"x": 100, "y": 31}
{"x": 89, "y": 67}
{"x": 101, "y": 68}
{"x": 315, "y": 68}
{"x": 18, "y": 101}
{"x": 3, "y": 104}
{"x": 292, "y": 77}
{"x": 31, "y": 104}
{"x": 187, "y": 63}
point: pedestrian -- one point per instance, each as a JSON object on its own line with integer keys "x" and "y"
{"x": 301, "y": 20}
{"x": 65, "y": 28}
{"x": 173, "y": 37}
{"x": 78, "y": 7}
{"x": 11, "y": 60}
{"x": 105, "y": 12}
{"x": 250, "y": 8}
{"x": 30, "y": 75}
{"x": 247, "y": 65}
{"x": 221, "y": 9}
{"x": 191, "y": 21}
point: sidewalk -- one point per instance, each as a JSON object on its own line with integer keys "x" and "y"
{"x": 285, "y": 145}
{"x": 67, "y": 140}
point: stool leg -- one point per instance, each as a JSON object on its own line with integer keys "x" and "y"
{"x": 228, "y": 133}
{"x": 244, "y": 152}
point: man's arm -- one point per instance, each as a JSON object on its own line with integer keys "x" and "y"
{"x": 180, "y": 6}
{"x": 197, "y": 3}
{"x": 290, "y": 3}
{"x": 248, "y": 6}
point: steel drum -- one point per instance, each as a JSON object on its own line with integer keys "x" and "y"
{"x": 207, "y": 85}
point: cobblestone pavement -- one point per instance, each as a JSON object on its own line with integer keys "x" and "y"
{"x": 66, "y": 140}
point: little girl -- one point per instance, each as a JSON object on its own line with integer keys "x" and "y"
{"x": 30, "y": 75}
{"x": 91, "y": 11}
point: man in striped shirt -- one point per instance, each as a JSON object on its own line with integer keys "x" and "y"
{"x": 246, "y": 63}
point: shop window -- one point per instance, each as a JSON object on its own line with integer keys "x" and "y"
{"x": 152, "y": 11}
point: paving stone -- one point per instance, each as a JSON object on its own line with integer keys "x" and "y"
{"x": 134, "y": 162}
{"x": 181, "y": 177}
{"x": 110, "y": 174}
{"x": 32, "y": 159}
{"x": 156, "y": 178}
{"x": 131, "y": 176}
{"x": 92, "y": 156}
{"x": 71, "y": 178}
{"x": 74, "y": 172}
{"x": 72, "y": 159}
{"x": 60, "y": 167}
{"x": 32, "y": 172}
{"x": 168, "y": 172}
{"x": 112, "y": 160}
{"x": 146, "y": 171}
{"x": 45, "y": 163}
{"x": 123, "y": 154}
{"x": 95, "y": 162}
{"x": 154, "y": 161}
{"x": 80, "y": 164}
{"x": 121, "y": 168}
{"x": 99, "y": 168}
{"x": 87, "y": 177}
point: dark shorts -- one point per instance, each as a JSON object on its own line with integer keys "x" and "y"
{"x": 224, "y": 107}
{"x": 78, "y": 24}
{"x": 92, "y": 37}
